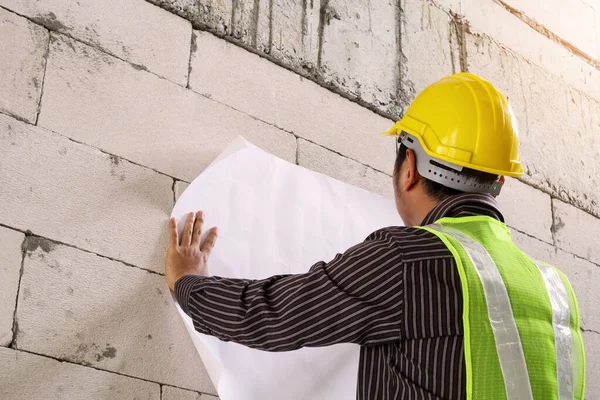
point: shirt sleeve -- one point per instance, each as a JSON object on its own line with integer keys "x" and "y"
{"x": 355, "y": 298}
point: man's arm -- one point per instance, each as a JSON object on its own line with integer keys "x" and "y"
{"x": 356, "y": 298}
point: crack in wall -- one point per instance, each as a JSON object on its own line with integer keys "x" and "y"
{"x": 254, "y": 24}
{"x": 46, "y": 57}
{"x": 460, "y": 28}
{"x": 173, "y": 190}
{"x": 270, "y": 26}
{"x": 15, "y": 327}
{"x": 193, "y": 48}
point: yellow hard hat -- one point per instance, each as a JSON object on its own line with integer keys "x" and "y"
{"x": 463, "y": 121}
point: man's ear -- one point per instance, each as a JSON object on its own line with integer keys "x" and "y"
{"x": 412, "y": 176}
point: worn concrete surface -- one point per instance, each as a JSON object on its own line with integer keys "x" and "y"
{"x": 173, "y": 393}
{"x": 24, "y": 47}
{"x": 10, "y": 272}
{"x": 76, "y": 194}
{"x": 429, "y": 48}
{"x": 527, "y": 209}
{"x": 285, "y": 99}
{"x": 93, "y": 311}
{"x": 118, "y": 134}
{"x": 383, "y": 65}
{"x": 573, "y": 229}
{"x": 558, "y": 125}
{"x": 181, "y": 131}
{"x": 559, "y": 19}
{"x": 132, "y": 30}
{"x": 25, "y": 376}
{"x": 490, "y": 18}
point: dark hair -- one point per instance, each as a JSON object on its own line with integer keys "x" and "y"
{"x": 436, "y": 190}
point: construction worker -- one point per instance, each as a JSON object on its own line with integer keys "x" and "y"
{"x": 447, "y": 307}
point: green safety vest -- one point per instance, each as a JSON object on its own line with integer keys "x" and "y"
{"x": 522, "y": 336}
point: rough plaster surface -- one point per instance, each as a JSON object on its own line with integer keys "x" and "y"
{"x": 490, "y": 18}
{"x": 285, "y": 99}
{"x": 172, "y": 393}
{"x": 561, "y": 142}
{"x": 152, "y": 121}
{"x": 526, "y": 209}
{"x": 10, "y": 269}
{"x": 133, "y": 30}
{"x": 23, "y": 50}
{"x": 93, "y": 311}
{"x": 75, "y": 194}
{"x": 574, "y": 229}
{"x": 584, "y": 37}
{"x": 558, "y": 125}
{"x": 27, "y": 376}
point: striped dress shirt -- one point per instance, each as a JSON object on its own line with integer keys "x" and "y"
{"x": 397, "y": 295}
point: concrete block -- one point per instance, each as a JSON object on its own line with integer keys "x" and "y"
{"x": 77, "y": 195}
{"x": 172, "y": 393}
{"x": 559, "y": 18}
{"x": 160, "y": 44}
{"x": 490, "y": 18}
{"x": 26, "y": 376}
{"x": 527, "y": 209}
{"x": 90, "y": 310}
{"x": 357, "y": 51}
{"x": 290, "y": 102}
{"x": 321, "y": 160}
{"x": 583, "y": 118}
{"x": 576, "y": 231}
{"x": 10, "y": 270}
{"x": 99, "y": 100}
{"x": 24, "y": 47}
{"x": 566, "y": 165}
{"x": 180, "y": 188}
{"x": 429, "y": 48}
{"x": 591, "y": 341}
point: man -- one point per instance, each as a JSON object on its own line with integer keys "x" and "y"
{"x": 444, "y": 308}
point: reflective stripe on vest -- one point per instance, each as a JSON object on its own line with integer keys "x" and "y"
{"x": 506, "y": 334}
{"x": 563, "y": 341}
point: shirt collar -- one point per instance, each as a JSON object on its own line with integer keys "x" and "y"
{"x": 465, "y": 205}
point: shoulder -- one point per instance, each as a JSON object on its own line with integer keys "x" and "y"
{"x": 413, "y": 243}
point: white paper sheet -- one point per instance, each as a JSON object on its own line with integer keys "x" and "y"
{"x": 277, "y": 218}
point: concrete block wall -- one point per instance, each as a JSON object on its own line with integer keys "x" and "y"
{"x": 108, "y": 109}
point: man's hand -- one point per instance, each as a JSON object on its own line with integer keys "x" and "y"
{"x": 188, "y": 257}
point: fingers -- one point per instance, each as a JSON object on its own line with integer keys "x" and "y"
{"x": 198, "y": 229}
{"x": 186, "y": 237}
{"x": 209, "y": 244}
{"x": 173, "y": 235}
